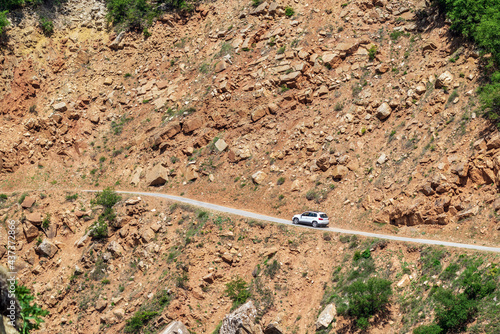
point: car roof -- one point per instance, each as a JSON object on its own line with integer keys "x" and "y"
{"x": 316, "y": 212}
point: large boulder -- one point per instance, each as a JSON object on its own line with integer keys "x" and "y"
{"x": 259, "y": 177}
{"x": 326, "y": 317}
{"x": 191, "y": 125}
{"x": 28, "y": 202}
{"x": 384, "y": 111}
{"x": 241, "y": 321}
{"x": 157, "y": 176}
{"x": 258, "y": 113}
{"x": 175, "y": 327}
{"x": 46, "y": 248}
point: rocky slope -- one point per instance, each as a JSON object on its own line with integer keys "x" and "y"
{"x": 176, "y": 261}
{"x": 365, "y": 110}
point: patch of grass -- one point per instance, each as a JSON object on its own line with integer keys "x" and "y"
{"x": 71, "y": 198}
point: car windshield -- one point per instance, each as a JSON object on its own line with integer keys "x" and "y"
{"x": 323, "y": 215}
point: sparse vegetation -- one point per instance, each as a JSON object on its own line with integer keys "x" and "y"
{"x": 237, "y": 290}
{"x": 47, "y": 26}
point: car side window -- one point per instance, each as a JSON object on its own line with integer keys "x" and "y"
{"x": 306, "y": 214}
{"x": 314, "y": 215}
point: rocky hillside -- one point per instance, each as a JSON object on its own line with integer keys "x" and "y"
{"x": 161, "y": 262}
{"x": 366, "y": 110}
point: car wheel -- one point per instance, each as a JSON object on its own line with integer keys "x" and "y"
{"x": 315, "y": 224}
{"x": 295, "y": 220}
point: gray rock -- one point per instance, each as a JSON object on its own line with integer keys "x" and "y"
{"x": 60, "y": 107}
{"x": 175, "y": 327}
{"x": 326, "y": 317}
{"x": 444, "y": 79}
{"x": 259, "y": 177}
{"x": 384, "y": 111}
{"x": 241, "y": 320}
{"x": 221, "y": 145}
{"x": 46, "y": 248}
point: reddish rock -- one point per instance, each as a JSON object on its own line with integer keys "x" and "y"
{"x": 28, "y": 202}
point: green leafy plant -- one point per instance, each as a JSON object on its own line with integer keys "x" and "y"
{"x": 46, "y": 221}
{"x": 289, "y": 11}
{"x": 47, "y": 26}
{"x": 31, "y": 313}
{"x": 4, "y": 22}
{"x": 366, "y": 300}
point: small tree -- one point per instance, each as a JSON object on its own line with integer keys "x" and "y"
{"x": 366, "y": 299}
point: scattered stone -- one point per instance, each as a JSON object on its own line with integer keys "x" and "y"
{"x": 382, "y": 159}
{"x": 35, "y": 218}
{"x": 132, "y": 201}
{"x": 444, "y": 80}
{"x": 108, "y": 81}
{"x": 101, "y": 305}
{"x": 339, "y": 172}
{"x": 404, "y": 282}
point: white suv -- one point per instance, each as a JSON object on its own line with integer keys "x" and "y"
{"x": 313, "y": 218}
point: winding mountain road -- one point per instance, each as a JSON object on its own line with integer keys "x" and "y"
{"x": 257, "y": 216}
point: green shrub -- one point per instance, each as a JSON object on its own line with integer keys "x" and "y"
{"x": 46, "y": 221}
{"x": 428, "y": 329}
{"x": 281, "y": 180}
{"x": 372, "y": 52}
{"x": 47, "y": 26}
{"x": 99, "y": 230}
{"x": 366, "y": 299}
{"x": 479, "y": 20}
{"x": 272, "y": 269}
{"x": 256, "y": 3}
{"x": 3, "y": 197}
{"x": 289, "y": 11}
{"x": 107, "y": 198}
{"x": 237, "y": 290}
{"x": 31, "y": 314}
{"x": 4, "y": 22}
{"x": 454, "y": 311}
